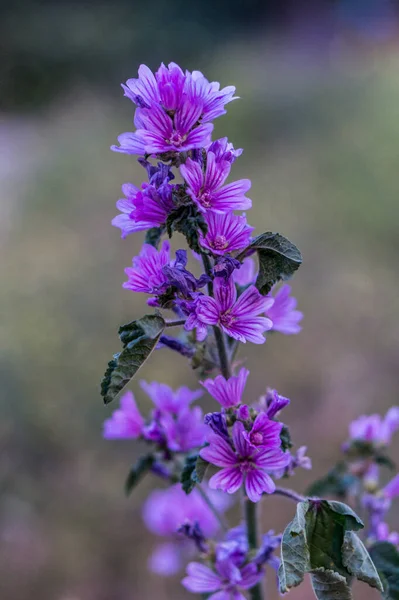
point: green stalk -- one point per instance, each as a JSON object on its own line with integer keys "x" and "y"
{"x": 252, "y": 522}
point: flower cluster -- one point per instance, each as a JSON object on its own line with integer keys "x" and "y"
{"x": 173, "y": 426}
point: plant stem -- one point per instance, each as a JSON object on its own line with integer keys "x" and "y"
{"x": 291, "y": 494}
{"x": 225, "y": 367}
{"x": 252, "y": 523}
{"x": 209, "y": 503}
{"x": 175, "y": 323}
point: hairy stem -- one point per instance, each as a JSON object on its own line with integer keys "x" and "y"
{"x": 225, "y": 366}
{"x": 291, "y": 494}
{"x": 252, "y": 522}
{"x": 214, "y": 510}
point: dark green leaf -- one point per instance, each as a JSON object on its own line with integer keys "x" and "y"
{"x": 358, "y": 561}
{"x": 278, "y": 259}
{"x": 385, "y": 461}
{"x": 153, "y": 236}
{"x": 321, "y": 541}
{"x": 139, "y": 339}
{"x": 285, "y": 437}
{"x": 337, "y": 482}
{"x": 187, "y": 220}
{"x": 329, "y": 584}
{"x": 386, "y": 559}
{"x": 193, "y": 472}
{"x": 137, "y": 472}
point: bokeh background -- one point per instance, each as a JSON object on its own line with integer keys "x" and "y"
{"x": 319, "y": 121}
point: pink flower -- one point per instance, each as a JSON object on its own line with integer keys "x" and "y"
{"x": 283, "y": 314}
{"x": 168, "y": 400}
{"x": 226, "y": 232}
{"x": 244, "y": 465}
{"x": 125, "y": 422}
{"x": 227, "y": 392}
{"x": 246, "y": 274}
{"x": 207, "y": 189}
{"x": 238, "y": 318}
{"x": 147, "y": 273}
{"x": 226, "y": 582}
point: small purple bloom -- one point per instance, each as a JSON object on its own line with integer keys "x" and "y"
{"x": 270, "y": 543}
{"x": 391, "y": 490}
{"x": 143, "y": 209}
{"x": 147, "y": 274}
{"x": 227, "y": 392}
{"x": 189, "y": 309}
{"x": 227, "y": 580}
{"x": 225, "y": 266}
{"x": 224, "y": 150}
{"x": 374, "y": 428}
{"x": 264, "y": 433}
{"x": 246, "y": 274}
{"x": 383, "y": 534}
{"x": 207, "y": 189}
{"x": 168, "y": 400}
{"x": 178, "y": 276}
{"x": 126, "y": 422}
{"x": 217, "y": 422}
{"x": 244, "y": 465}
{"x": 243, "y": 413}
{"x": 238, "y": 318}
{"x": 167, "y": 559}
{"x": 226, "y": 232}
{"x": 184, "y": 431}
{"x": 283, "y": 314}
{"x": 273, "y": 403}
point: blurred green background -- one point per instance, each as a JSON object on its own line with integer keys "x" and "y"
{"x": 319, "y": 121}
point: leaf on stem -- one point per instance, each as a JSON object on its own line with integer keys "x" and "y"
{"x": 139, "y": 338}
{"x": 321, "y": 540}
{"x": 137, "y": 472}
{"x": 386, "y": 559}
{"x": 193, "y": 472}
{"x": 278, "y": 259}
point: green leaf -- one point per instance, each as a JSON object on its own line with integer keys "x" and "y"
{"x": 285, "y": 437}
{"x": 139, "y": 339}
{"x": 278, "y": 259}
{"x": 358, "y": 561}
{"x": 186, "y": 219}
{"x": 386, "y": 560}
{"x": 153, "y": 236}
{"x": 137, "y": 472}
{"x": 321, "y": 541}
{"x": 337, "y": 482}
{"x": 329, "y": 584}
{"x": 193, "y": 472}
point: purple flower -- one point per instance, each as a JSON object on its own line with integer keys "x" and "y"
{"x": 264, "y": 433}
{"x": 237, "y": 318}
{"x": 166, "y": 511}
{"x": 224, "y": 150}
{"x": 273, "y": 403}
{"x": 226, "y": 232}
{"x": 143, "y": 209}
{"x": 125, "y": 422}
{"x": 207, "y": 189}
{"x": 147, "y": 274}
{"x": 391, "y": 490}
{"x": 270, "y": 543}
{"x": 174, "y": 111}
{"x": 283, "y": 314}
{"x": 246, "y": 274}
{"x": 217, "y": 422}
{"x": 184, "y": 431}
{"x": 383, "y": 534}
{"x": 178, "y": 276}
{"x": 190, "y": 310}
{"x": 227, "y": 392}
{"x": 374, "y": 428}
{"x": 168, "y": 400}
{"x": 244, "y": 465}
{"x": 224, "y": 267}
{"x": 226, "y": 582}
